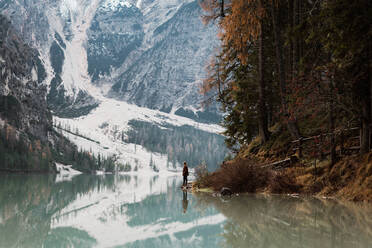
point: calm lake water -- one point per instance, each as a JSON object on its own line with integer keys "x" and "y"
{"x": 140, "y": 211}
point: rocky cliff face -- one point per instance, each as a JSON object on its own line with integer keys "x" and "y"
{"x": 28, "y": 141}
{"x": 150, "y": 52}
{"x": 112, "y": 36}
{"x": 163, "y": 50}
{"x": 57, "y": 30}
{"x": 22, "y": 94}
{"x": 169, "y": 72}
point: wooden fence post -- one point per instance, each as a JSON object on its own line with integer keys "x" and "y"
{"x": 321, "y": 147}
{"x": 360, "y": 138}
{"x": 342, "y": 139}
{"x": 369, "y": 142}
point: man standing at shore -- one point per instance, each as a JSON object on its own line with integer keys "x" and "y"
{"x": 185, "y": 174}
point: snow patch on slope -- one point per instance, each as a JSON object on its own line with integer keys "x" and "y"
{"x": 66, "y": 169}
{"x": 112, "y": 5}
{"x": 104, "y": 128}
{"x": 68, "y": 6}
{"x": 75, "y": 69}
{"x": 65, "y": 172}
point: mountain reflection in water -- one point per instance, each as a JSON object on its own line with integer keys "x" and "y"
{"x": 103, "y": 211}
{"x": 152, "y": 211}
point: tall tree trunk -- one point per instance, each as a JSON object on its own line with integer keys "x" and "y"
{"x": 332, "y": 123}
{"x": 366, "y": 119}
{"x": 262, "y": 124}
{"x": 295, "y": 47}
{"x": 366, "y": 107}
{"x": 370, "y": 88}
{"x": 222, "y": 8}
{"x": 291, "y": 124}
{"x": 290, "y": 54}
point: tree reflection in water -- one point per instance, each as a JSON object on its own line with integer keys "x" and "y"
{"x": 283, "y": 221}
{"x": 29, "y": 202}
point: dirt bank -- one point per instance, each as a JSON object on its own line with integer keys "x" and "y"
{"x": 349, "y": 179}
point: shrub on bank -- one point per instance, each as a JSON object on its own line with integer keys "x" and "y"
{"x": 246, "y": 176}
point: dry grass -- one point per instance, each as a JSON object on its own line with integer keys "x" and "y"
{"x": 350, "y": 178}
{"x": 245, "y": 176}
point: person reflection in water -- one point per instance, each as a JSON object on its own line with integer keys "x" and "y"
{"x": 185, "y": 202}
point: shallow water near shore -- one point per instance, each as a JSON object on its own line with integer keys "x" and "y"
{"x": 152, "y": 211}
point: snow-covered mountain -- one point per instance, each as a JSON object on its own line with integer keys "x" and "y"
{"x": 57, "y": 29}
{"x": 150, "y": 53}
{"x": 123, "y": 58}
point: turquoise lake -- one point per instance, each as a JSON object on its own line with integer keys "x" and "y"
{"x": 152, "y": 211}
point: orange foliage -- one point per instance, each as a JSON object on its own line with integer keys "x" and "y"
{"x": 243, "y": 25}
{"x": 239, "y": 30}
{"x": 211, "y": 8}
{"x": 38, "y": 145}
{"x": 10, "y": 132}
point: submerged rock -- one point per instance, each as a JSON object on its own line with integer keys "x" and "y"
{"x": 226, "y": 191}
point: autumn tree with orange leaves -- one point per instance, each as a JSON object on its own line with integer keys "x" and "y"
{"x": 243, "y": 38}
{"x": 293, "y": 63}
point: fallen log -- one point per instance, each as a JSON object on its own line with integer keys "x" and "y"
{"x": 280, "y": 163}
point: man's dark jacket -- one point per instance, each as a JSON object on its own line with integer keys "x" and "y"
{"x": 185, "y": 172}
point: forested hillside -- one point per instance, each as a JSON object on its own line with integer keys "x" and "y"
{"x": 28, "y": 142}
{"x": 289, "y": 71}
{"x": 184, "y": 143}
